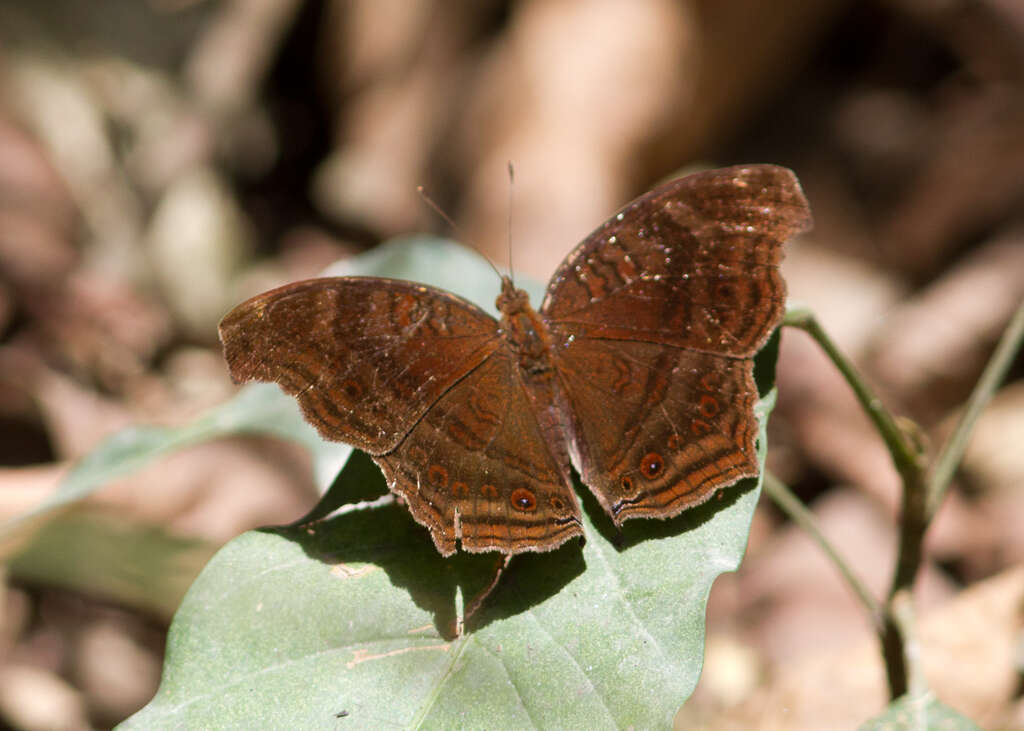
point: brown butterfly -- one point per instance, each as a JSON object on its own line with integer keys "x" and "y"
{"x": 637, "y": 368}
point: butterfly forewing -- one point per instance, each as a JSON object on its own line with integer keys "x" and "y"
{"x": 692, "y": 264}
{"x": 365, "y": 357}
{"x": 656, "y": 317}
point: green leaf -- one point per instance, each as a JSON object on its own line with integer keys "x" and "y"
{"x": 260, "y": 408}
{"x": 292, "y": 626}
{"x": 923, "y": 712}
{"x": 132, "y": 564}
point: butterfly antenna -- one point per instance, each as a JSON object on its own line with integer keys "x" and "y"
{"x": 451, "y": 224}
{"x": 511, "y": 191}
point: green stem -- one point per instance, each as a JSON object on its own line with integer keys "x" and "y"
{"x": 904, "y": 454}
{"x": 921, "y": 498}
{"x": 913, "y": 515}
{"x": 902, "y": 611}
{"x": 893, "y": 644}
{"x": 799, "y": 514}
{"x": 995, "y": 371}
{"x": 913, "y": 525}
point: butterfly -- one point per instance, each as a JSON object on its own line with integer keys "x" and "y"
{"x": 637, "y": 368}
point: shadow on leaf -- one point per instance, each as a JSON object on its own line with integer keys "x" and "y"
{"x": 634, "y": 532}
{"x": 388, "y": 537}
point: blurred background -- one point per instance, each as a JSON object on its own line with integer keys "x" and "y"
{"x": 161, "y": 160}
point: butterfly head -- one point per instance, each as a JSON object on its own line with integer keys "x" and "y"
{"x": 511, "y": 301}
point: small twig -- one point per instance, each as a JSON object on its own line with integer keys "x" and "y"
{"x": 791, "y": 505}
{"x": 995, "y": 371}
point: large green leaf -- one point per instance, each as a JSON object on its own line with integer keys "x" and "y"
{"x": 291, "y": 627}
{"x": 287, "y": 628}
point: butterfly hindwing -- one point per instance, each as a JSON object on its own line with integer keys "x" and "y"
{"x": 479, "y": 467}
{"x": 658, "y": 429}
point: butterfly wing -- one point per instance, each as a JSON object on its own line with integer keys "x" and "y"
{"x": 420, "y": 380}
{"x": 657, "y": 316}
{"x": 479, "y": 467}
{"x": 365, "y": 357}
{"x": 657, "y": 428}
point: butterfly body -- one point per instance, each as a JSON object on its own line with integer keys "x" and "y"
{"x": 637, "y": 368}
{"x": 523, "y": 330}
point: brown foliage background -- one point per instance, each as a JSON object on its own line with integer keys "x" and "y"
{"x": 162, "y": 160}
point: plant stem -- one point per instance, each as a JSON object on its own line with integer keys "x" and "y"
{"x": 902, "y": 611}
{"x": 904, "y": 455}
{"x": 799, "y": 514}
{"x": 920, "y": 498}
{"x": 913, "y": 516}
{"x": 995, "y": 371}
